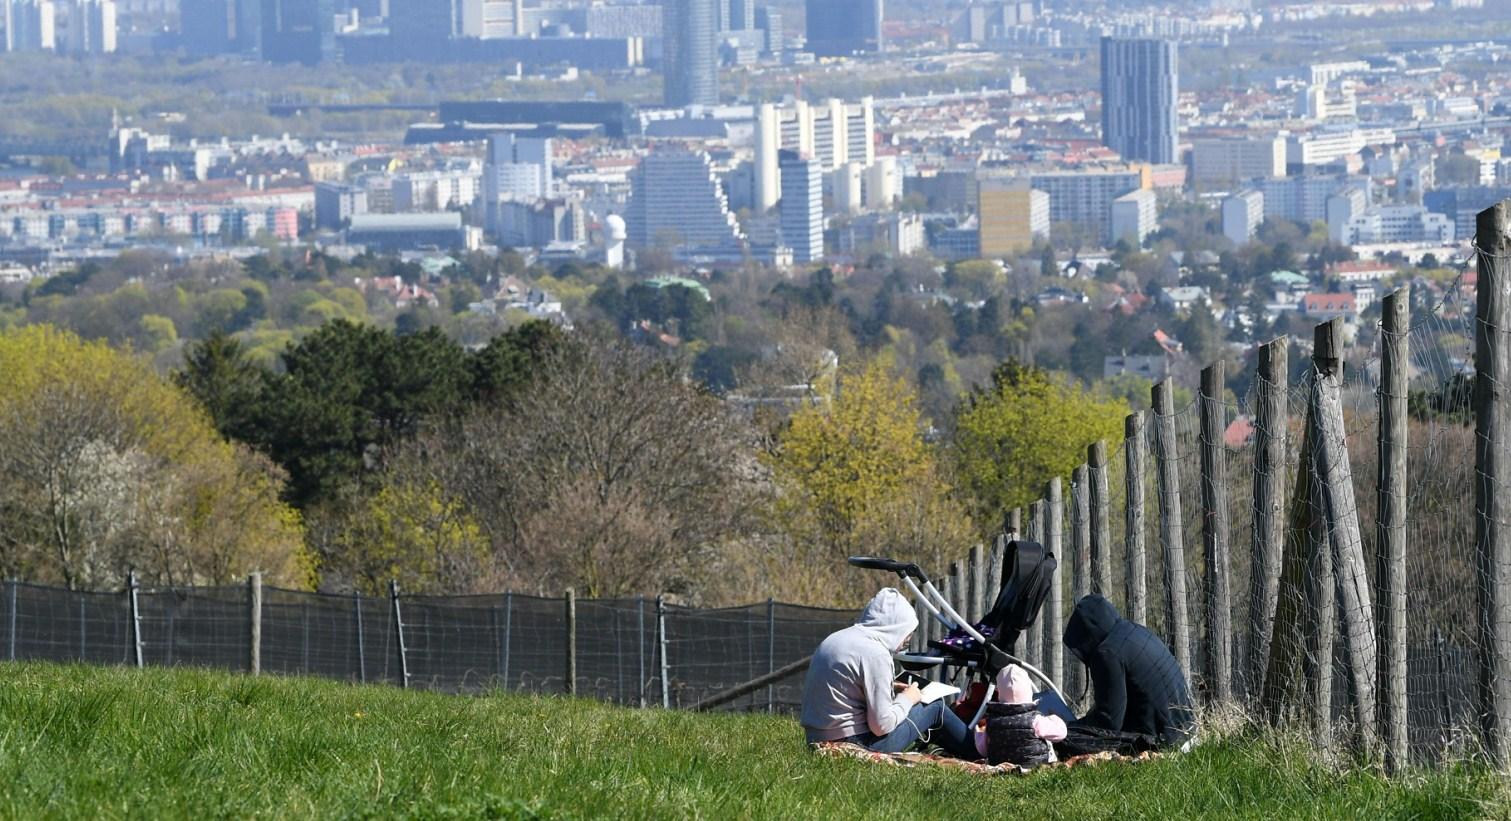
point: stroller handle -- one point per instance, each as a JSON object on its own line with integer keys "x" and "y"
{"x": 890, "y": 565}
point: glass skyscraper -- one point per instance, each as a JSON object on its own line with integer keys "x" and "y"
{"x": 691, "y": 69}
{"x": 840, "y": 27}
{"x": 1140, "y": 92}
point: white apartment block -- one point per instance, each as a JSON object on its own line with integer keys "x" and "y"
{"x": 1399, "y": 223}
{"x": 1134, "y": 216}
{"x": 1223, "y": 162}
{"x": 1242, "y": 214}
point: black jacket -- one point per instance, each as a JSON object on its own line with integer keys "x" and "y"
{"x": 1137, "y": 686}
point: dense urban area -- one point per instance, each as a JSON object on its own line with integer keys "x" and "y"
{"x": 324, "y": 270}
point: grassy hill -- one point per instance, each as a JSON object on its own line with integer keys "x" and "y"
{"x": 98, "y": 742}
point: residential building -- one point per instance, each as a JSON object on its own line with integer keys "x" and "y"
{"x": 1462, "y": 204}
{"x": 691, "y": 65}
{"x": 1226, "y": 162}
{"x": 1304, "y": 199}
{"x": 208, "y": 26}
{"x": 1242, "y": 214}
{"x": 899, "y": 234}
{"x": 1398, "y": 223}
{"x": 1085, "y": 197}
{"x": 1133, "y": 217}
{"x": 1011, "y": 215}
{"x": 677, "y": 201}
{"x": 1330, "y": 145}
{"x": 768, "y": 21}
{"x": 32, "y": 25}
{"x": 540, "y": 223}
{"x": 423, "y": 191}
{"x": 1140, "y": 94}
{"x": 1323, "y": 307}
{"x": 516, "y": 169}
{"x": 802, "y": 207}
{"x": 1342, "y": 207}
{"x": 336, "y": 204}
{"x": 91, "y": 27}
{"x": 838, "y": 28}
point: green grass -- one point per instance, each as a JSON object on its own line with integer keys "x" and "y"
{"x": 87, "y": 742}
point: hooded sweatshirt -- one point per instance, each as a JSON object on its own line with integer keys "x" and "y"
{"x": 1137, "y": 685}
{"x": 848, "y": 690}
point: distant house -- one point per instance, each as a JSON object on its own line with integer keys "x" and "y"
{"x": 399, "y": 292}
{"x": 1325, "y": 307}
{"x": 1180, "y": 299}
{"x": 1060, "y": 296}
{"x": 1167, "y": 343}
{"x": 1155, "y": 368}
{"x": 1361, "y": 270}
{"x": 1239, "y": 433}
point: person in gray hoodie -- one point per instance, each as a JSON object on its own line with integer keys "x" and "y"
{"x": 850, "y": 695}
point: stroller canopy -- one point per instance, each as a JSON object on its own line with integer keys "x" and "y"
{"x": 1027, "y": 572}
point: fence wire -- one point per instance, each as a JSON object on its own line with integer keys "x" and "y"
{"x": 456, "y": 644}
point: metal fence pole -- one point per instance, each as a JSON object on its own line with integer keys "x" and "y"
{"x": 1270, "y": 425}
{"x": 254, "y": 624}
{"x": 10, "y": 644}
{"x": 1492, "y": 426}
{"x": 358, "y": 637}
{"x": 1349, "y": 565}
{"x": 508, "y": 637}
{"x": 640, "y": 646}
{"x": 136, "y": 618}
{"x": 1101, "y": 529}
{"x": 398, "y": 626}
{"x": 1136, "y": 591}
{"x": 1391, "y": 525}
{"x": 661, "y": 641}
{"x": 571, "y": 603}
{"x": 1214, "y": 516}
{"x": 771, "y": 652}
{"x": 1167, "y": 466}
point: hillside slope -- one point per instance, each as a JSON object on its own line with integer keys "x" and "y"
{"x": 100, "y": 742}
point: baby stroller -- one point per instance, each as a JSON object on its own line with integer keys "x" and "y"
{"x": 981, "y": 650}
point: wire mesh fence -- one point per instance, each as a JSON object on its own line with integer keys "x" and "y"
{"x": 636, "y": 652}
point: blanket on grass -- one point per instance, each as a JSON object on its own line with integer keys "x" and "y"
{"x": 842, "y": 749}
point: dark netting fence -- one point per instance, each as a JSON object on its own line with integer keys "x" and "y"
{"x": 637, "y": 652}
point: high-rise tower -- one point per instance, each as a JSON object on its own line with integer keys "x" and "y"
{"x": 692, "y": 57}
{"x": 1140, "y": 92}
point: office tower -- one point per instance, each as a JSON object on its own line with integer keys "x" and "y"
{"x": 1010, "y": 215}
{"x": 517, "y": 169}
{"x": 491, "y": 19}
{"x": 8, "y": 18}
{"x": 832, "y": 132}
{"x": 739, "y": 15}
{"x": 677, "y": 201}
{"x": 802, "y": 206}
{"x": 36, "y": 25}
{"x": 1140, "y": 92}
{"x": 768, "y": 179}
{"x": 207, "y": 26}
{"x": 840, "y": 27}
{"x": 422, "y": 24}
{"x": 769, "y": 21}
{"x": 91, "y": 27}
{"x": 691, "y": 66}
{"x": 298, "y": 31}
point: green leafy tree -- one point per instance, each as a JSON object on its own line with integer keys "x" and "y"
{"x": 1026, "y": 428}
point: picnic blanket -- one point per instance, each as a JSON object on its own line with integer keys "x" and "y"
{"x": 842, "y": 749}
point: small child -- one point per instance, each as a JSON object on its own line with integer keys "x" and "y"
{"x": 1012, "y": 730}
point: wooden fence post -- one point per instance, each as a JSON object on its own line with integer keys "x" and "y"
{"x": 1492, "y": 458}
{"x": 994, "y": 572}
{"x": 1080, "y": 549}
{"x": 1054, "y": 625}
{"x": 1167, "y": 466}
{"x": 1101, "y": 530}
{"x": 976, "y": 582}
{"x": 1135, "y": 459}
{"x": 1214, "y": 516}
{"x": 398, "y": 627}
{"x": 571, "y": 603}
{"x": 136, "y": 618}
{"x": 1015, "y": 524}
{"x": 1320, "y": 625}
{"x": 1270, "y": 421}
{"x": 1336, "y": 480}
{"x": 1033, "y": 645}
{"x": 254, "y": 620}
{"x": 10, "y": 624}
{"x": 1395, "y": 333}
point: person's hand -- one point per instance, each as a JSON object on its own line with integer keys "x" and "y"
{"x": 908, "y": 692}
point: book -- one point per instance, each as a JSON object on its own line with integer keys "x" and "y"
{"x": 937, "y": 690}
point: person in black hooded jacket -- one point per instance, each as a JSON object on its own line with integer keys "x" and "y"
{"x": 1137, "y": 685}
